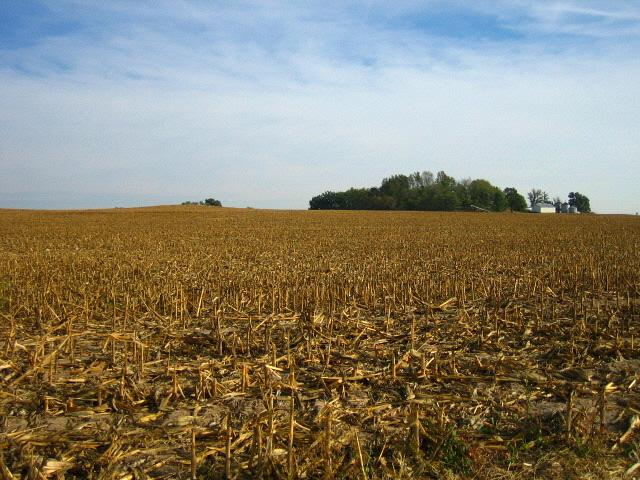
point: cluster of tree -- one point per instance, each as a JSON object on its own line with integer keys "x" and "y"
{"x": 576, "y": 199}
{"x": 209, "y": 202}
{"x": 423, "y": 191}
{"x": 537, "y": 195}
{"x": 581, "y": 202}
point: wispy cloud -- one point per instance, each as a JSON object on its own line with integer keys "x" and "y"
{"x": 267, "y": 103}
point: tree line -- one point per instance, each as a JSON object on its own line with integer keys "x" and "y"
{"x": 209, "y": 202}
{"x": 426, "y": 191}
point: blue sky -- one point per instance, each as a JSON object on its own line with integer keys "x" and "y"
{"x": 266, "y": 104}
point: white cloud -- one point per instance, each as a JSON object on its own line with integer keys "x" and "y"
{"x": 181, "y": 101}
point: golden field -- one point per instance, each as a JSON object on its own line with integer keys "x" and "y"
{"x": 197, "y": 342}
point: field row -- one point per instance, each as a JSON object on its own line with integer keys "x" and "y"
{"x": 199, "y": 342}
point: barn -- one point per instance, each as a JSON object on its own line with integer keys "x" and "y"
{"x": 543, "y": 208}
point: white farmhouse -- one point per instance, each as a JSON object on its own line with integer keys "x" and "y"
{"x": 543, "y": 208}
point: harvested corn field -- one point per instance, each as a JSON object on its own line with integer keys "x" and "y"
{"x": 194, "y": 342}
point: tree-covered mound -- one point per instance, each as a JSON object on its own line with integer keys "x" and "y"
{"x": 423, "y": 191}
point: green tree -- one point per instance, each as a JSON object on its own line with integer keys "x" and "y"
{"x": 463, "y": 192}
{"x": 481, "y": 194}
{"x": 444, "y": 199}
{"x": 324, "y": 201}
{"x": 212, "y": 202}
{"x": 581, "y": 202}
{"x": 445, "y": 180}
{"x": 499, "y": 201}
{"x": 417, "y": 191}
{"x": 515, "y": 201}
{"x": 396, "y": 186}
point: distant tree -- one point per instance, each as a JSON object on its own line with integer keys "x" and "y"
{"x": 581, "y": 202}
{"x": 209, "y": 202}
{"x": 426, "y": 191}
{"x": 212, "y": 202}
{"x": 445, "y": 180}
{"x": 325, "y": 201}
{"x": 480, "y": 193}
{"x": 444, "y": 199}
{"x": 397, "y": 186}
{"x": 463, "y": 192}
{"x": 515, "y": 201}
{"x": 419, "y": 180}
{"x": 499, "y": 201}
{"x": 557, "y": 202}
{"x": 383, "y": 202}
{"x": 427, "y": 178}
{"x": 537, "y": 195}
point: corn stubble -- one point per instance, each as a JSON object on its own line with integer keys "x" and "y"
{"x": 221, "y": 343}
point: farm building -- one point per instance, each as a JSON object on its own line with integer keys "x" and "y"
{"x": 544, "y": 208}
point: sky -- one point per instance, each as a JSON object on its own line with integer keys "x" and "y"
{"x": 267, "y": 103}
